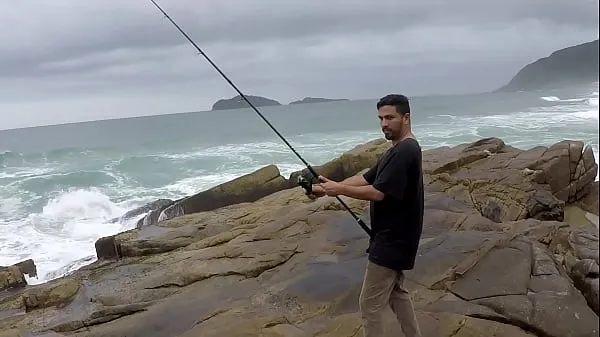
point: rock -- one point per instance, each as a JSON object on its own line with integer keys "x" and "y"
{"x": 317, "y": 100}
{"x": 537, "y": 300}
{"x": 27, "y": 267}
{"x": 506, "y": 184}
{"x": 238, "y": 102}
{"x": 446, "y": 213}
{"x": 50, "y": 294}
{"x": 577, "y": 248}
{"x": 585, "y": 275}
{"x": 11, "y": 277}
{"x": 590, "y": 201}
{"x": 155, "y": 240}
{"x": 567, "y": 170}
{"x": 152, "y": 217}
{"x": 151, "y": 206}
{"x": 247, "y": 188}
{"x": 284, "y": 265}
{"x": 14, "y": 276}
{"x": 107, "y": 248}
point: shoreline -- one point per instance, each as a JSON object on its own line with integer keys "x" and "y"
{"x": 245, "y": 253}
{"x": 155, "y": 213}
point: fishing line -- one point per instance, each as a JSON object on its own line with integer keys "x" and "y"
{"x": 305, "y": 184}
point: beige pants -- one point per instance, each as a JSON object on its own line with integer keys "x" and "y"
{"x": 383, "y": 286}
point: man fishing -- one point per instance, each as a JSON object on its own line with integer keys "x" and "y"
{"x": 394, "y": 187}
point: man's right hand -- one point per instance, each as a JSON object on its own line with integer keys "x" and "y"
{"x": 317, "y": 192}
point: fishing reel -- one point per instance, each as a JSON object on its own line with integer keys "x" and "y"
{"x": 305, "y": 184}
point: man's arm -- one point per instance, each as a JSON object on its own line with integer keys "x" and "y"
{"x": 357, "y": 180}
{"x": 366, "y": 192}
{"x": 391, "y": 181}
{"x": 354, "y": 181}
{"x": 361, "y": 179}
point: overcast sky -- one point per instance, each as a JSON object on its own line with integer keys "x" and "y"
{"x": 72, "y": 60}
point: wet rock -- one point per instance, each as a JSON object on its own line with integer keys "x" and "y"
{"x": 107, "y": 248}
{"x": 27, "y": 267}
{"x": 151, "y": 206}
{"x": 11, "y": 277}
{"x": 50, "y": 294}
{"x": 152, "y": 217}
{"x": 14, "y": 276}
{"x": 246, "y": 188}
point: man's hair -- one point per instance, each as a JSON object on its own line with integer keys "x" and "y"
{"x": 400, "y": 102}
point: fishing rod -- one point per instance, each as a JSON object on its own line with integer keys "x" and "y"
{"x": 301, "y": 180}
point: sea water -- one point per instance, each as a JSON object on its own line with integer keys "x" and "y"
{"x": 60, "y": 185}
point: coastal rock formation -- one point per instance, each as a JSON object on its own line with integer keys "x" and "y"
{"x": 238, "y": 102}
{"x": 14, "y": 276}
{"x": 149, "y": 207}
{"x": 573, "y": 65}
{"x": 317, "y": 100}
{"x": 504, "y": 252}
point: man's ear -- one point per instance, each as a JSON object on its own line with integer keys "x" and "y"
{"x": 406, "y": 117}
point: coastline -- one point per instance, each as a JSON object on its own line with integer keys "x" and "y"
{"x": 260, "y": 233}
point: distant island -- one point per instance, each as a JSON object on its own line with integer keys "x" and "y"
{"x": 238, "y": 102}
{"x": 317, "y": 100}
{"x": 573, "y": 65}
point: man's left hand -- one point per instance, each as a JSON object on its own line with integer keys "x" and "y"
{"x": 331, "y": 187}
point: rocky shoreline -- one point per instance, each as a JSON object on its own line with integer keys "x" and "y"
{"x": 510, "y": 248}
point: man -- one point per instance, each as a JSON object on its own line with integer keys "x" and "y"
{"x": 395, "y": 188}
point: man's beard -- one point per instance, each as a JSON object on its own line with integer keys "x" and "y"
{"x": 388, "y": 134}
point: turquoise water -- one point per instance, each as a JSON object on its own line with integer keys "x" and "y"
{"x": 59, "y": 185}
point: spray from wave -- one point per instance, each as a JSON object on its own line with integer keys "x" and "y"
{"x": 64, "y": 231}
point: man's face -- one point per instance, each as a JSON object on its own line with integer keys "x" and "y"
{"x": 393, "y": 124}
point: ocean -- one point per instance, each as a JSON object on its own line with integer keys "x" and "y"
{"x": 60, "y": 185}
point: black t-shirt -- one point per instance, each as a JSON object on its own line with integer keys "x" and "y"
{"x": 397, "y": 220}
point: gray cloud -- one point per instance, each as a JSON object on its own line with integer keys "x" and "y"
{"x": 92, "y": 59}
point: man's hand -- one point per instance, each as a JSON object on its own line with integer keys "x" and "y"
{"x": 317, "y": 192}
{"x": 331, "y": 187}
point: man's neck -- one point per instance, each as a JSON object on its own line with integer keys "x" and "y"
{"x": 406, "y": 136}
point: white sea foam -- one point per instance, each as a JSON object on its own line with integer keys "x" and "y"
{"x": 64, "y": 231}
{"x": 550, "y": 98}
